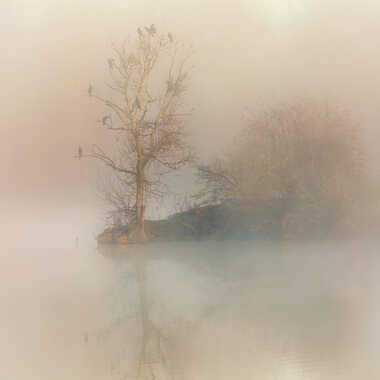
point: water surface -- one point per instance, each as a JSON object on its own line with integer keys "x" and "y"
{"x": 216, "y": 310}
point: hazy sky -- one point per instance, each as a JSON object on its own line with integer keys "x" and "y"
{"x": 248, "y": 54}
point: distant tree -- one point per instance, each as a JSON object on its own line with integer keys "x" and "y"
{"x": 309, "y": 155}
{"x": 147, "y": 114}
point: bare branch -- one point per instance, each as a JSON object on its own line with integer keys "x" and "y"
{"x": 149, "y": 113}
{"x": 100, "y": 155}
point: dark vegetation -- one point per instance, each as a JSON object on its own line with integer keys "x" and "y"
{"x": 227, "y": 220}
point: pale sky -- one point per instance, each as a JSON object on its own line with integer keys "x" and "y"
{"x": 249, "y": 54}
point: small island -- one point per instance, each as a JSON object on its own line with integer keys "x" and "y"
{"x": 294, "y": 171}
{"x": 228, "y": 220}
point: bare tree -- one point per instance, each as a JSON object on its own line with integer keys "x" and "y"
{"x": 308, "y": 155}
{"x": 218, "y": 182}
{"x": 149, "y": 78}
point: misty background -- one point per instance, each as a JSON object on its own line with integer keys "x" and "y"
{"x": 248, "y": 55}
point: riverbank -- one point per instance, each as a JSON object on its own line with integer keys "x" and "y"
{"x": 228, "y": 220}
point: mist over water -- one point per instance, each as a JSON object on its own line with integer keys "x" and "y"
{"x": 227, "y": 309}
{"x": 215, "y": 310}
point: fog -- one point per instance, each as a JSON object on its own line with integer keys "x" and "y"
{"x": 233, "y": 309}
{"x": 248, "y": 54}
{"x": 226, "y": 309}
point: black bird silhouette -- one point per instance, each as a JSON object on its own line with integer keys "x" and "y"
{"x": 90, "y": 90}
{"x": 151, "y": 30}
{"x": 170, "y": 37}
{"x": 111, "y": 63}
{"x": 105, "y": 118}
{"x": 80, "y": 152}
{"x": 139, "y": 31}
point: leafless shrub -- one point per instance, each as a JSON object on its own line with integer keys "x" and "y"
{"x": 309, "y": 155}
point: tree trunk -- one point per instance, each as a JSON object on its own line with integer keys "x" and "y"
{"x": 140, "y": 207}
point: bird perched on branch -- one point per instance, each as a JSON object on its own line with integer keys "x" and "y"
{"x": 170, "y": 37}
{"x": 151, "y": 30}
{"x": 80, "y": 152}
{"x": 105, "y": 118}
{"x": 139, "y": 31}
{"x": 111, "y": 63}
{"x": 89, "y": 90}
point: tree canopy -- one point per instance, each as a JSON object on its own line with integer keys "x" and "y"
{"x": 147, "y": 113}
{"x": 308, "y": 154}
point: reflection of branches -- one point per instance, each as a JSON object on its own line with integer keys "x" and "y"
{"x": 154, "y": 349}
{"x": 106, "y": 332}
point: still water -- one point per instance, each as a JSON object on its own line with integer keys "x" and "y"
{"x": 205, "y": 310}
